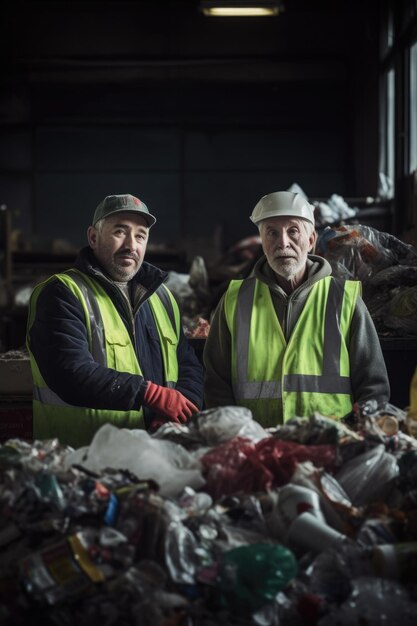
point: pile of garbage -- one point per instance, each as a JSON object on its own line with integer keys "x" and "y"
{"x": 387, "y": 268}
{"x": 192, "y": 292}
{"x": 214, "y": 522}
{"x": 334, "y": 210}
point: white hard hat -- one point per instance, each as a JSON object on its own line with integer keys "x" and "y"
{"x": 282, "y": 203}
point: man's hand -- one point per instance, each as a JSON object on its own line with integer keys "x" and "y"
{"x": 169, "y": 402}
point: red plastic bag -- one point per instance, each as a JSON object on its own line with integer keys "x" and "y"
{"x": 281, "y": 457}
{"x": 223, "y": 468}
{"x": 241, "y": 466}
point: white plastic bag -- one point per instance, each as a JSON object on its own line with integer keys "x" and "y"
{"x": 369, "y": 476}
{"x": 165, "y": 462}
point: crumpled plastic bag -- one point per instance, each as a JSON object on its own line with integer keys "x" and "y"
{"x": 242, "y": 465}
{"x": 168, "y": 464}
{"x": 360, "y": 252}
{"x": 387, "y": 268}
{"x": 224, "y": 469}
{"x": 282, "y": 457}
{"x": 251, "y": 576}
{"x": 391, "y": 298}
{"x": 213, "y": 427}
{"x": 402, "y": 311}
{"x": 221, "y": 424}
{"x": 370, "y": 476}
{"x": 191, "y": 290}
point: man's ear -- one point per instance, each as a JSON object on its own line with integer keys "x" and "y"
{"x": 92, "y": 236}
{"x": 313, "y": 240}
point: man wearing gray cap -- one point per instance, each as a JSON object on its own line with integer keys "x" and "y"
{"x": 291, "y": 339}
{"x": 105, "y": 338}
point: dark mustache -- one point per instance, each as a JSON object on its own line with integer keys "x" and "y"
{"x": 130, "y": 255}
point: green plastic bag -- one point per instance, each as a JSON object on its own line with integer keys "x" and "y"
{"x": 252, "y": 575}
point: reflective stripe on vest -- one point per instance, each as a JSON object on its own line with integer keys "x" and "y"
{"x": 96, "y": 335}
{"x": 110, "y": 345}
{"x": 327, "y": 297}
{"x": 96, "y": 327}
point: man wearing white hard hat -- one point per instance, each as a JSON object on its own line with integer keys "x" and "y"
{"x": 291, "y": 339}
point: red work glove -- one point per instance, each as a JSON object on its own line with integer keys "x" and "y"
{"x": 169, "y": 402}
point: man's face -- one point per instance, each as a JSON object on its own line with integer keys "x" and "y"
{"x": 120, "y": 244}
{"x": 286, "y": 241}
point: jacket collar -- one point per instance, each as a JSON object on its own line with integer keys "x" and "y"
{"x": 149, "y": 276}
{"x": 317, "y": 268}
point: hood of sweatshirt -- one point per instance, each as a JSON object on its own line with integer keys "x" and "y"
{"x": 317, "y": 268}
{"x": 289, "y": 306}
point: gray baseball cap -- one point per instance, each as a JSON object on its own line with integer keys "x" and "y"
{"x": 120, "y": 204}
{"x": 282, "y": 203}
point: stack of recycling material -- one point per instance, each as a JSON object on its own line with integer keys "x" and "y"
{"x": 387, "y": 268}
{"x": 217, "y": 522}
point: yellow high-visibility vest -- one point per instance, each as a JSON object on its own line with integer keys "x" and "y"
{"x": 276, "y": 379}
{"x": 110, "y": 344}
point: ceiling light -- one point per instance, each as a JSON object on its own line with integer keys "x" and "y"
{"x": 241, "y": 8}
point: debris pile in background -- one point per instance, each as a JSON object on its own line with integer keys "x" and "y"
{"x": 387, "y": 268}
{"x": 311, "y": 522}
{"x": 331, "y": 211}
{"x": 334, "y": 210}
{"x": 197, "y": 328}
{"x": 192, "y": 292}
{"x": 237, "y": 261}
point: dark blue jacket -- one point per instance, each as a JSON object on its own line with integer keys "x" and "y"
{"x": 59, "y": 343}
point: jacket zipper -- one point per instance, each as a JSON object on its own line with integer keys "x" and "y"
{"x": 125, "y": 305}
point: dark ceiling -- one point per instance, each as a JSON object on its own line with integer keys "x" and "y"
{"x": 63, "y": 55}
{"x": 123, "y": 40}
{"x": 153, "y": 66}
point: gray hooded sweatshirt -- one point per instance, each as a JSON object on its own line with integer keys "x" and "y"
{"x": 369, "y": 378}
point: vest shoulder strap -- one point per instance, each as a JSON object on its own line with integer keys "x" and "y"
{"x": 171, "y": 307}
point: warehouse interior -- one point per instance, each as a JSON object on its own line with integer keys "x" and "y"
{"x": 199, "y": 117}
{"x": 217, "y": 520}
{"x": 181, "y": 108}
